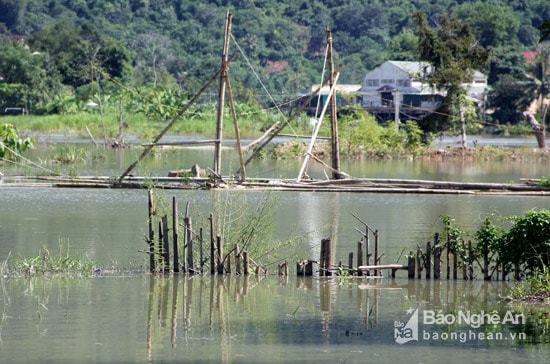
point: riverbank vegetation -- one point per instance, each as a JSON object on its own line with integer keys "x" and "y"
{"x": 516, "y": 244}
{"x": 137, "y": 62}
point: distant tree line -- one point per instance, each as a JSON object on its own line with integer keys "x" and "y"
{"x": 54, "y": 50}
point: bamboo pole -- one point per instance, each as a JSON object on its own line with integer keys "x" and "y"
{"x": 151, "y": 239}
{"x": 283, "y": 125}
{"x": 175, "y": 234}
{"x": 316, "y": 131}
{"x": 360, "y": 257}
{"x": 147, "y": 149}
{"x": 189, "y": 233}
{"x": 237, "y": 131}
{"x": 335, "y": 154}
{"x": 166, "y": 244}
{"x": 221, "y": 96}
{"x": 212, "y": 245}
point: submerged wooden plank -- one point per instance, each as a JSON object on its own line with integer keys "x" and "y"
{"x": 383, "y": 266}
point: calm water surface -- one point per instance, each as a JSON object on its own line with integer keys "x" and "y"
{"x": 141, "y": 318}
{"x": 249, "y": 320}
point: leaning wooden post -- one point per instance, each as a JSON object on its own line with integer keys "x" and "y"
{"x": 246, "y": 262}
{"x": 359, "y": 257}
{"x": 428, "y": 261}
{"x": 151, "y": 240}
{"x": 410, "y": 265}
{"x": 350, "y": 261}
{"x": 219, "y": 254}
{"x": 175, "y": 234}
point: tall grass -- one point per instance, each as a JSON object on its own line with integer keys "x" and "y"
{"x": 250, "y": 124}
{"x": 49, "y": 263}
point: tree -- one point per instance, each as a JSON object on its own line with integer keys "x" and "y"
{"x": 540, "y": 73}
{"x": 404, "y": 46}
{"x": 11, "y": 12}
{"x": 25, "y": 79}
{"x": 527, "y": 243}
{"x": 454, "y": 54}
{"x": 510, "y": 97}
{"x": 494, "y": 25}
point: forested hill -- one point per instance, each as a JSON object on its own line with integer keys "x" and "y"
{"x": 171, "y": 42}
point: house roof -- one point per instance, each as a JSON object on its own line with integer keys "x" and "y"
{"x": 343, "y": 88}
{"x": 413, "y": 69}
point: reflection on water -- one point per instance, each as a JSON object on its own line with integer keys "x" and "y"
{"x": 224, "y": 319}
{"x": 248, "y": 319}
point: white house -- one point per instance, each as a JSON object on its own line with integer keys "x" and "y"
{"x": 401, "y": 82}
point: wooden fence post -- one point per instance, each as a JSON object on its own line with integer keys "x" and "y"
{"x": 359, "y": 257}
{"x": 325, "y": 260}
{"x": 455, "y": 264}
{"x": 419, "y": 262}
{"x": 464, "y": 260}
{"x": 213, "y": 261}
{"x": 304, "y": 268}
{"x": 471, "y": 261}
{"x": 219, "y": 254}
{"x": 166, "y": 244}
{"x": 437, "y": 250}
{"x": 410, "y": 265}
{"x": 151, "y": 241}
{"x": 245, "y": 262}
{"x": 376, "y": 256}
{"x": 201, "y": 255}
{"x": 237, "y": 259}
{"x": 175, "y": 234}
{"x": 189, "y": 233}
{"x": 428, "y": 262}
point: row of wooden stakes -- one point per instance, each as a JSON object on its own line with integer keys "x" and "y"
{"x": 215, "y": 260}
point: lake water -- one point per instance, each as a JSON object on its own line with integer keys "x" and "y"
{"x": 144, "y": 318}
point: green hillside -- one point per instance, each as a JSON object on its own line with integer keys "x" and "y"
{"x": 52, "y": 48}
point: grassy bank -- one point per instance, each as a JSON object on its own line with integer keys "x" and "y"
{"x": 138, "y": 125}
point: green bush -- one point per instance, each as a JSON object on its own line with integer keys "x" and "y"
{"x": 10, "y": 143}
{"x": 527, "y": 243}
